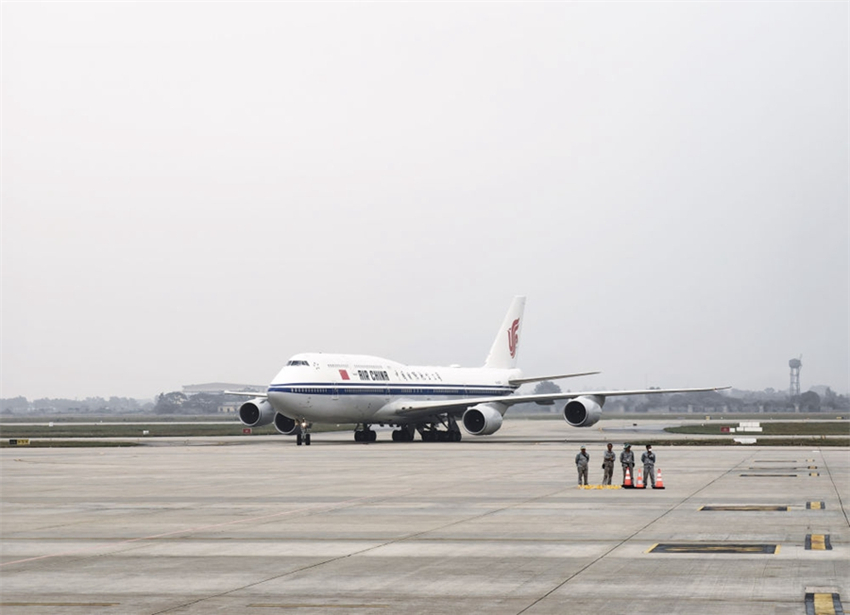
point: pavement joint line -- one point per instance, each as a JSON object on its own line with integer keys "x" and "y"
{"x": 379, "y": 546}
{"x": 834, "y": 487}
{"x": 635, "y": 533}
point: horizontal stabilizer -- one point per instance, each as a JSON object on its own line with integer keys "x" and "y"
{"x": 246, "y": 394}
{"x": 519, "y": 381}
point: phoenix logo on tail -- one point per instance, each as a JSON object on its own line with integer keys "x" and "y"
{"x": 431, "y": 400}
{"x": 513, "y": 338}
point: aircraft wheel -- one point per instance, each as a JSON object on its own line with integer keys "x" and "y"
{"x": 298, "y": 439}
{"x": 307, "y": 439}
{"x": 372, "y": 436}
{"x": 456, "y": 436}
{"x": 358, "y": 436}
{"x": 396, "y": 434}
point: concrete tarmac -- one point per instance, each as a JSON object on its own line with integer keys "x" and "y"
{"x": 490, "y": 525}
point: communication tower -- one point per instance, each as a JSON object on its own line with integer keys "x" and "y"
{"x": 795, "y": 365}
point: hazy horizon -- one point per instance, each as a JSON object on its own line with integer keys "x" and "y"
{"x": 194, "y": 192}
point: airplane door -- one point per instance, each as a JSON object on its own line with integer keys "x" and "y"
{"x": 335, "y": 393}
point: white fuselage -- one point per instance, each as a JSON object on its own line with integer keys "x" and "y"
{"x": 335, "y": 388}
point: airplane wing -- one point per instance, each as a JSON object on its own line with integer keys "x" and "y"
{"x": 412, "y": 407}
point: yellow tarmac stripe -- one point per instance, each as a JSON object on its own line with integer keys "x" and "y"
{"x": 696, "y": 547}
{"x": 748, "y": 508}
{"x": 824, "y": 604}
{"x": 305, "y": 605}
{"x": 53, "y": 604}
{"x": 815, "y": 505}
{"x": 818, "y": 542}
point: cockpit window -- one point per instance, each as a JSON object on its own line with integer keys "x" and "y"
{"x": 294, "y": 362}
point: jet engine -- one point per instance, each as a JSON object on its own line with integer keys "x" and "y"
{"x": 256, "y": 413}
{"x": 286, "y": 425}
{"x": 583, "y": 411}
{"x": 482, "y": 420}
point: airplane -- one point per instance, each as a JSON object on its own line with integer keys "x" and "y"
{"x": 431, "y": 400}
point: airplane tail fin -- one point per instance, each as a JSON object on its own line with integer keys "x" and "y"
{"x": 503, "y": 353}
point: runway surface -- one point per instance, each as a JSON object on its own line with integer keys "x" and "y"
{"x": 489, "y": 525}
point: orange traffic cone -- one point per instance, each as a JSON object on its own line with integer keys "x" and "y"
{"x": 639, "y": 484}
{"x": 627, "y": 484}
{"x": 659, "y": 484}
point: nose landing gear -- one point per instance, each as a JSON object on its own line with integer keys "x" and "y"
{"x": 303, "y": 436}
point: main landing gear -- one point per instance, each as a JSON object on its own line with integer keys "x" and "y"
{"x": 405, "y": 434}
{"x": 430, "y": 432}
{"x": 365, "y": 434}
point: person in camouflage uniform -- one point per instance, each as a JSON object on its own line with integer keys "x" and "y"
{"x": 627, "y": 460}
{"x": 648, "y": 460}
{"x": 582, "y": 461}
{"x": 608, "y": 464}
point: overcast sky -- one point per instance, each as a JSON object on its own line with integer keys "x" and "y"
{"x": 194, "y": 192}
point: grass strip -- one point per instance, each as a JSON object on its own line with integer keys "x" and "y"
{"x": 778, "y": 428}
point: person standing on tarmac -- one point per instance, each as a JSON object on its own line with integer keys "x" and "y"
{"x": 608, "y": 465}
{"x": 648, "y": 459}
{"x": 582, "y": 461}
{"x": 627, "y": 460}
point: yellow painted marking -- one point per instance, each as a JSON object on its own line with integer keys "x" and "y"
{"x": 710, "y": 548}
{"x": 818, "y": 542}
{"x": 649, "y": 550}
{"x": 824, "y": 604}
{"x": 318, "y": 606}
{"x": 745, "y": 508}
{"x": 814, "y": 505}
{"x": 812, "y": 468}
{"x": 814, "y": 473}
{"x": 4, "y": 604}
{"x": 714, "y": 548}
